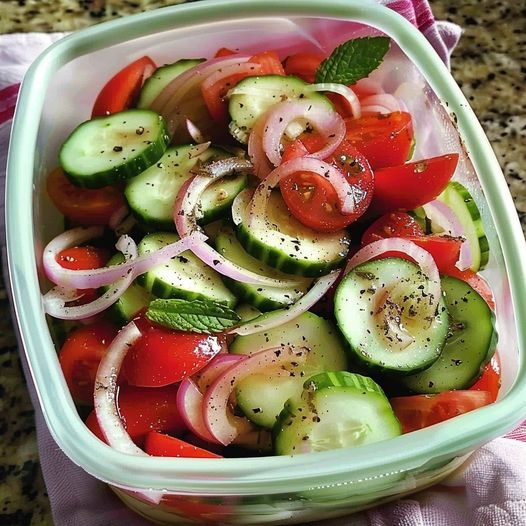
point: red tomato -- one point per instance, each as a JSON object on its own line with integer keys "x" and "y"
{"x": 419, "y": 411}
{"x": 214, "y": 95}
{"x": 385, "y": 140}
{"x": 83, "y": 258}
{"x": 303, "y": 65}
{"x": 120, "y": 92}
{"x": 411, "y": 185}
{"x": 144, "y": 409}
{"x": 312, "y": 199}
{"x": 489, "y": 381}
{"x": 224, "y": 52}
{"x": 161, "y": 445}
{"x": 163, "y": 356}
{"x": 82, "y": 205}
{"x": 80, "y": 356}
{"x": 394, "y": 224}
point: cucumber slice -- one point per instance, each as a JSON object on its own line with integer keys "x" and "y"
{"x": 104, "y": 150}
{"x": 283, "y": 243}
{"x": 264, "y": 298}
{"x": 161, "y": 77}
{"x": 247, "y": 312}
{"x": 380, "y": 309}
{"x": 469, "y": 346}
{"x": 253, "y": 96}
{"x": 335, "y": 410}
{"x": 135, "y": 299}
{"x": 458, "y": 198}
{"x": 185, "y": 276}
{"x": 152, "y": 194}
{"x": 261, "y": 397}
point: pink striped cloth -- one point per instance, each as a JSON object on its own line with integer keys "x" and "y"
{"x": 490, "y": 488}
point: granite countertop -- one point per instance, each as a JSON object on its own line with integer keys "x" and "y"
{"x": 490, "y": 67}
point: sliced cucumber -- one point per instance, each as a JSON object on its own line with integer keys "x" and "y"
{"x": 283, "y": 243}
{"x": 247, "y": 312}
{"x": 185, "y": 276}
{"x": 253, "y": 96}
{"x": 131, "y": 302}
{"x": 382, "y": 310}
{"x": 161, "y": 77}
{"x": 264, "y": 298}
{"x": 335, "y": 410}
{"x": 267, "y": 393}
{"x": 469, "y": 346}
{"x": 104, "y": 150}
{"x": 458, "y": 198}
{"x": 152, "y": 194}
{"x": 419, "y": 215}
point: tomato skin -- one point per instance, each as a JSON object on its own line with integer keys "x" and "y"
{"x": 419, "y": 411}
{"x": 83, "y": 206}
{"x": 161, "y": 445}
{"x": 83, "y": 258}
{"x": 163, "y": 356}
{"x": 269, "y": 62}
{"x": 411, "y": 185}
{"x": 80, "y": 356}
{"x": 313, "y": 200}
{"x": 490, "y": 379}
{"x": 120, "y": 92}
{"x": 303, "y": 65}
{"x": 144, "y": 409}
{"x": 394, "y": 224}
{"x": 385, "y": 140}
{"x": 224, "y": 52}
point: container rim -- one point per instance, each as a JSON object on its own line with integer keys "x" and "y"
{"x": 251, "y": 475}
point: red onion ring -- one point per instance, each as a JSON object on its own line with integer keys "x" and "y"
{"x": 346, "y": 92}
{"x": 105, "y": 392}
{"x": 328, "y": 123}
{"x": 95, "y": 278}
{"x": 442, "y": 215}
{"x": 368, "y": 86}
{"x": 278, "y": 317}
{"x": 215, "y": 404}
{"x": 240, "y": 68}
{"x": 397, "y": 244}
{"x": 381, "y": 103}
{"x": 347, "y": 194}
{"x": 118, "y": 216}
{"x": 257, "y": 154}
{"x": 217, "y": 366}
{"x": 194, "y": 132}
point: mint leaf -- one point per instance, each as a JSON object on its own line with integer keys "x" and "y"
{"x": 353, "y": 60}
{"x": 193, "y": 316}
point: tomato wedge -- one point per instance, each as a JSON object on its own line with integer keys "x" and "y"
{"x": 312, "y": 199}
{"x": 394, "y": 224}
{"x": 490, "y": 379}
{"x": 120, "y": 92}
{"x": 303, "y": 65}
{"x": 80, "y": 356}
{"x": 385, "y": 140}
{"x": 224, "y": 52}
{"x": 163, "y": 356}
{"x": 411, "y": 185}
{"x": 419, "y": 411}
{"x": 144, "y": 409}
{"x": 82, "y": 205}
{"x": 161, "y": 445}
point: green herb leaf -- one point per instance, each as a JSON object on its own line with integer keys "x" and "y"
{"x": 353, "y": 60}
{"x": 193, "y": 316}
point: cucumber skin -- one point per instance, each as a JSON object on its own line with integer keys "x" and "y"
{"x": 129, "y": 169}
{"x": 277, "y": 259}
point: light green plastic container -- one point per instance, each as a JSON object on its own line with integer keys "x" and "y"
{"x": 58, "y": 93}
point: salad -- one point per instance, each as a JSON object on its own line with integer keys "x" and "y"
{"x": 254, "y": 263}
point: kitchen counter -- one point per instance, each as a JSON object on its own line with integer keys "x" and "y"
{"x": 490, "y": 67}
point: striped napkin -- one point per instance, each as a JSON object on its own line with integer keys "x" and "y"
{"x": 489, "y": 489}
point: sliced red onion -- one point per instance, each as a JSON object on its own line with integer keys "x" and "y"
{"x": 221, "y": 362}
{"x": 92, "y": 279}
{"x": 237, "y": 68}
{"x": 346, "y": 92}
{"x": 348, "y": 195}
{"x": 105, "y": 393}
{"x": 194, "y": 132}
{"x": 118, "y": 217}
{"x": 368, "y": 86}
{"x": 442, "y": 215}
{"x": 125, "y": 226}
{"x": 239, "y": 205}
{"x": 381, "y": 103}
{"x": 186, "y": 223}
{"x": 278, "y": 317}
{"x": 257, "y": 154}
{"x": 217, "y": 416}
{"x": 329, "y": 123}
{"x": 397, "y": 244}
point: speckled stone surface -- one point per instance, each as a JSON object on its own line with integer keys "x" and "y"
{"x": 489, "y": 65}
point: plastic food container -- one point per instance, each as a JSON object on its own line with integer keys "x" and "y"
{"x": 58, "y": 93}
